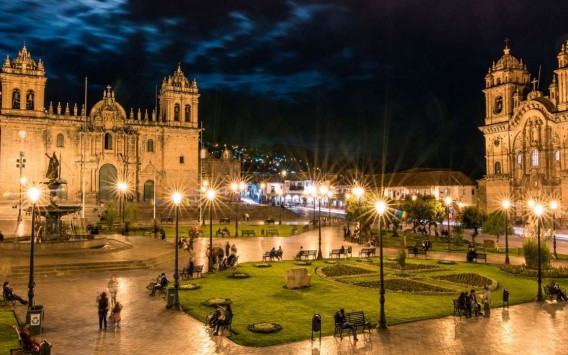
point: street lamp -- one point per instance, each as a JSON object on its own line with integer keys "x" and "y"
{"x": 319, "y": 193}
{"x": 553, "y": 207}
{"x": 21, "y": 163}
{"x": 538, "y": 211}
{"x": 280, "y": 193}
{"x": 176, "y": 199}
{"x": 448, "y": 202}
{"x": 359, "y": 192}
{"x": 237, "y": 188}
{"x": 380, "y": 207}
{"x": 329, "y": 196}
{"x": 506, "y": 205}
{"x": 122, "y": 187}
{"x": 210, "y": 194}
{"x": 34, "y": 194}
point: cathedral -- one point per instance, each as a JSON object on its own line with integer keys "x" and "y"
{"x": 153, "y": 153}
{"x": 526, "y": 136}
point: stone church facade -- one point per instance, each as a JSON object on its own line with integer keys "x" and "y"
{"x": 526, "y": 136}
{"x": 157, "y": 150}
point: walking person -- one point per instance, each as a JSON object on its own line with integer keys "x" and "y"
{"x": 103, "y": 307}
{"x": 112, "y": 289}
{"x": 486, "y": 301}
{"x": 115, "y": 314}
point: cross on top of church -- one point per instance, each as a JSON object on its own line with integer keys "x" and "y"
{"x": 506, "y": 42}
{"x": 534, "y": 81}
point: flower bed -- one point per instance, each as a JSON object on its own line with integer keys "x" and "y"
{"x": 413, "y": 267}
{"x": 446, "y": 262}
{"x": 214, "y": 302}
{"x": 522, "y": 270}
{"x": 330, "y": 262}
{"x": 189, "y": 287}
{"x": 404, "y": 285}
{"x": 239, "y": 275}
{"x": 343, "y": 270}
{"x": 303, "y": 263}
{"x": 470, "y": 279}
{"x": 262, "y": 265}
{"x": 264, "y": 327}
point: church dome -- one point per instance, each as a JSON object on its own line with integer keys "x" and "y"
{"x": 507, "y": 61}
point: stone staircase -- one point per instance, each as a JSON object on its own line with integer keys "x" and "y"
{"x": 92, "y": 267}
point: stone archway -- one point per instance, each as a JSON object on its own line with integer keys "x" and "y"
{"x": 108, "y": 175}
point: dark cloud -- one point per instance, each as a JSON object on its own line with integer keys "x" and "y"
{"x": 337, "y": 77}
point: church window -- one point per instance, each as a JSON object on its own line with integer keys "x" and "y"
{"x": 16, "y": 99}
{"x": 108, "y": 141}
{"x": 176, "y": 112}
{"x": 534, "y": 158}
{"x": 498, "y": 104}
{"x": 60, "y": 140}
{"x": 557, "y": 155}
{"x": 187, "y": 113}
{"x": 150, "y": 145}
{"x": 182, "y": 159}
{"x": 497, "y": 167}
{"x": 520, "y": 159}
{"x": 30, "y": 100}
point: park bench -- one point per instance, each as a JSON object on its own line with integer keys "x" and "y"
{"x": 337, "y": 253}
{"x": 197, "y": 271}
{"x": 417, "y": 251}
{"x": 269, "y": 221}
{"x": 355, "y": 318}
{"x": 44, "y": 348}
{"x": 368, "y": 252}
{"x": 248, "y": 232}
{"x": 305, "y": 254}
{"x": 272, "y": 232}
{"x": 458, "y": 310}
{"x": 225, "y": 220}
{"x": 277, "y": 255}
{"x": 225, "y": 325}
{"x": 167, "y": 220}
{"x": 480, "y": 256}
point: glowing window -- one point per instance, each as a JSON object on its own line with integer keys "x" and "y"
{"x": 519, "y": 159}
{"x": 534, "y": 158}
{"x": 497, "y": 168}
{"x": 557, "y": 155}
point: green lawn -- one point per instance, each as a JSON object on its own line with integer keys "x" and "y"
{"x": 283, "y": 230}
{"x": 262, "y": 298}
{"x": 8, "y": 336}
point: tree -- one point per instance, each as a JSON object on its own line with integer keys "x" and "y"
{"x": 423, "y": 211}
{"x": 495, "y": 225}
{"x": 359, "y": 212}
{"x": 473, "y": 217}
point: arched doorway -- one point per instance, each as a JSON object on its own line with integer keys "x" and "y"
{"x": 148, "y": 190}
{"x": 107, "y": 182}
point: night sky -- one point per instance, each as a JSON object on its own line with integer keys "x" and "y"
{"x": 365, "y": 81}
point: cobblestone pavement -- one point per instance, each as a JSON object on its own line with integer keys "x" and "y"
{"x": 148, "y": 328}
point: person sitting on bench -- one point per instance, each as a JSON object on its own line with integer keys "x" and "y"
{"x": 340, "y": 319}
{"x": 163, "y": 283}
{"x": 223, "y": 319}
{"x": 231, "y": 260}
{"x": 556, "y": 290}
{"x": 471, "y": 254}
{"x": 299, "y": 255}
{"x": 10, "y": 295}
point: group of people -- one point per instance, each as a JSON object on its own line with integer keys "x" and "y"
{"x": 106, "y": 303}
{"x": 222, "y": 259}
{"x": 31, "y": 344}
{"x": 220, "y": 317}
{"x": 469, "y": 303}
{"x": 276, "y": 253}
{"x": 223, "y": 232}
{"x": 160, "y": 283}
{"x": 185, "y": 243}
{"x": 556, "y": 290}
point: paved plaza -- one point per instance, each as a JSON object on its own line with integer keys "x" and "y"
{"x": 71, "y": 317}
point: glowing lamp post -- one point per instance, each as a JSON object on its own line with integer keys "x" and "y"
{"x": 176, "y": 199}
{"x": 538, "y": 211}
{"x": 122, "y": 187}
{"x": 34, "y": 194}
{"x": 553, "y": 207}
{"x": 280, "y": 193}
{"x": 319, "y": 193}
{"x": 506, "y": 205}
{"x": 210, "y": 194}
{"x": 448, "y": 202}
{"x": 380, "y": 207}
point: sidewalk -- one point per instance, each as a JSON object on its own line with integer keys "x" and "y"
{"x": 147, "y": 327}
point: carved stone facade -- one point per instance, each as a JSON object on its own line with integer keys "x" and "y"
{"x": 105, "y": 147}
{"x": 526, "y": 135}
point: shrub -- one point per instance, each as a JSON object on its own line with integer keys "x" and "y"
{"x": 401, "y": 258}
{"x": 264, "y": 327}
{"x": 262, "y": 265}
{"x": 530, "y": 249}
{"x": 189, "y": 287}
{"x": 522, "y": 270}
{"x": 239, "y": 275}
{"x": 214, "y": 302}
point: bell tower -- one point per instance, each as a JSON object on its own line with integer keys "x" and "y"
{"x": 506, "y": 83}
{"x": 23, "y": 86}
{"x": 179, "y": 100}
